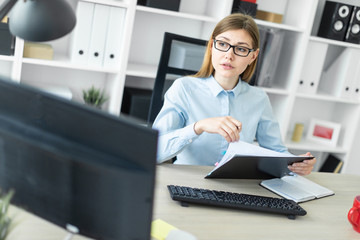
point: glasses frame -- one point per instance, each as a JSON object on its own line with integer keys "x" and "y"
{"x": 233, "y": 47}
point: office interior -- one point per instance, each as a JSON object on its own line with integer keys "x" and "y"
{"x": 130, "y": 74}
{"x": 298, "y": 110}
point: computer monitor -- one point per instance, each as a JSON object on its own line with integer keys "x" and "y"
{"x": 72, "y": 164}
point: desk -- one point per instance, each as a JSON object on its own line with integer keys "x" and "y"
{"x": 326, "y": 218}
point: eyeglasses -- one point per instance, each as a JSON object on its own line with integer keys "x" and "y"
{"x": 238, "y": 50}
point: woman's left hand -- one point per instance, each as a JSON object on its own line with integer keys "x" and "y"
{"x": 305, "y": 167}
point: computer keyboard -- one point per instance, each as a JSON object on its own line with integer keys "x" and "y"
{"x": 236, "y": 200}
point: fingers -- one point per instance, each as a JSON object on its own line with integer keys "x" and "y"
{"x": 232, "y": 131}
{"x": 227, "y": 127}
{"x": 303, "y": 168}
{"x": 232, "y": 127}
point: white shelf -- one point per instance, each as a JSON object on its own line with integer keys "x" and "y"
{"x": 177, "y": 14}
{"x": 7, "y": 58}
{"x": 115, "y": 3}
{"x": 141, "y": 70}
{"x": 324, "y": 97}
{"x": 334, "y": 42}
{"x": 60, "y": 62}
{"x": 305, "y": 145}
{"x": 276, "y": 91}
{"x": 278, "y": 26}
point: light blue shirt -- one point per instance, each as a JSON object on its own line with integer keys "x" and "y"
{"x": 191, "y": 99}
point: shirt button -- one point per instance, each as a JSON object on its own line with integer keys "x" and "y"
{"x": 190, "y": 140}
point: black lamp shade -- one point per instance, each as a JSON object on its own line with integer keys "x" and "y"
{"x": 41, "y": 20}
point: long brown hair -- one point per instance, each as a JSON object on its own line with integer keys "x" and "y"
{"x": 231, "y": 22}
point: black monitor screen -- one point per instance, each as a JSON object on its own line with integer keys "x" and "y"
{"x": 72, "y": 164}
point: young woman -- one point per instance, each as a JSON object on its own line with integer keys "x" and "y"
{"x": 203, "y": 113}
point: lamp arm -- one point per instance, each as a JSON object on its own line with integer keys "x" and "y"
{"x": 6, "y": 7}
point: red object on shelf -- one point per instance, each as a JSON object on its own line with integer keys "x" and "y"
{"x": 323, "y": 132}
{"x": 252, "y": 1}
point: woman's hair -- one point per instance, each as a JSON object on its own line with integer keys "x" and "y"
{"x": 232, "y": 22}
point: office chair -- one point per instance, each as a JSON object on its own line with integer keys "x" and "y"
{"x": 180, "y": 56}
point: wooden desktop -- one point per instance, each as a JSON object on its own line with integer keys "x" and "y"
{"x": 326, "y": 218}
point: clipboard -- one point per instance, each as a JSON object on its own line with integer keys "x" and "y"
{"x": 256, "y": 167}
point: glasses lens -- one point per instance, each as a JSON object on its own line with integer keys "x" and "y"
{"x": 222, "y": 46}
{"x": 241, "y": 51}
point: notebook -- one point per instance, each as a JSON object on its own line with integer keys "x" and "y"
{"x": 296, "y": 188}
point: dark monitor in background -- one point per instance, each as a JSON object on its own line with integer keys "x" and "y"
{"x": 72, "y": 164}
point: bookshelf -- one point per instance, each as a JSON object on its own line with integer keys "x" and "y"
{"x": 68, "y": 77}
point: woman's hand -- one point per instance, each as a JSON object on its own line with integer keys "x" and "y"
{"x": 305, "y": 167}
{"x": 228, "y": 127}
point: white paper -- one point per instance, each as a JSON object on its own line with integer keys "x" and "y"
{"x": 241, "y": 148}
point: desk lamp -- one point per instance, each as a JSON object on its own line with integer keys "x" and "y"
{"x": 39, "y": 20}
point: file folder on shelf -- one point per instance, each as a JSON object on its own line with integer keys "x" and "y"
{"x": 270, "y": 55}
{"x": 357, "y": 85}
{"x": 82, "y": 32}
{"x": 356, "y": 82}
{"x": 98, "y": 35}
{"x": 338, "y": 79}
{"x": 114, "y": 37}
{"x": 313, "y": 67}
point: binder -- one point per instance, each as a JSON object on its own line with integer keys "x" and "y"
{"x": 348, "y": 89}
{"x": 313, "y": 67}
{"x": 255, "y": 167}
{"x": 247, "y": 161}
{"x": 263, "y": 33}
{"x": 98, "y": 35}
{"x": 114, "y": 37}
{"x": 356, "y": 89}
{"x": 81, "y": 37}
{"x": 338, "y": 79}
{"x": 271, "y": 55}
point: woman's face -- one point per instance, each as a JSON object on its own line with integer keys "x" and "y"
{"x": 228, "y": 66}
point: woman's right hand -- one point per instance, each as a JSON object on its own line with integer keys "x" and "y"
{"x": 228, "y": 127}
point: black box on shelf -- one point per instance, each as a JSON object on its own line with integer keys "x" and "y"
{"x": 6, "y": 40}
{"x": 172, "y": 5}
{"x": 245, "y": 7}
{"x": 335, "y": 20}
{"x": 136, "y": 102}
{"x": 332, "y": 164}
{"x": 353, "y": 31}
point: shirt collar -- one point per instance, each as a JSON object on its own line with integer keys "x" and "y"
{"x": 216, "y": 89}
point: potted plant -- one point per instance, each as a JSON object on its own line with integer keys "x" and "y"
{"x": 94, "y": 97}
